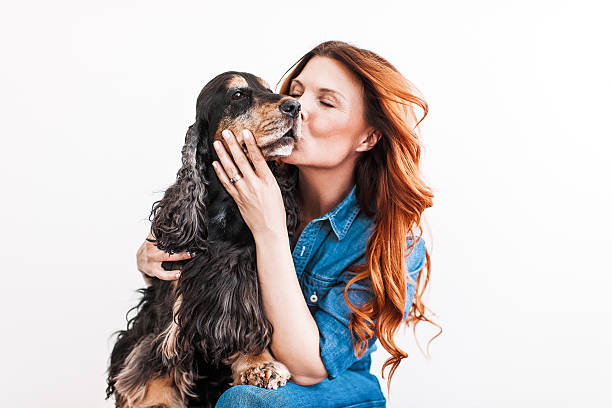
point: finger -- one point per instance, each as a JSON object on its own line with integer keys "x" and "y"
{"x": 259, "y": 162}
{"x": 153, "y": 253}
{"x": 163, "y": 274}
{"x": 179, "y": 256}
{"x": 238, "y": 155}
{"x": 224, "y": 179}
{"x": 226, "y": 161}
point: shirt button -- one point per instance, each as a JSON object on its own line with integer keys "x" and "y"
{"x": 314, "y": 298}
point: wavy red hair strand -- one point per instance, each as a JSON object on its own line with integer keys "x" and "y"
{"x": 401, "y": 197}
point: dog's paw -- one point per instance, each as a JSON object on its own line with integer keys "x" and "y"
{"x": 265, "y": 374}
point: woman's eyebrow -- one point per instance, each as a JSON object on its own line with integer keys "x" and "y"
{"x": 325, "y": 90}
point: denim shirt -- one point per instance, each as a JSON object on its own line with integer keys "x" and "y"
{"x": 326, "y": 247}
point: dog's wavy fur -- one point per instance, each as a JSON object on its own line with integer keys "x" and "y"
{"x": 184, "y": 331}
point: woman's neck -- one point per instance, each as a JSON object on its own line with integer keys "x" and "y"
{"x": 321, "y": 190}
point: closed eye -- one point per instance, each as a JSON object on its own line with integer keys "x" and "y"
{"x": 326, "y": 104}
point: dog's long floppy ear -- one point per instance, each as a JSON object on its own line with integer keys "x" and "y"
{"x": 179, "y": 218}
{"x": 286, "y": 177}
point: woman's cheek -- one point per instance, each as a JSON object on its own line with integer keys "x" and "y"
{"x": 299, "y": 154}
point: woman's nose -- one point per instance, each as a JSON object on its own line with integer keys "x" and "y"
{"x": 304, "y": 106}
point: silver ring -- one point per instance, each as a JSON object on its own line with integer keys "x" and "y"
{"x": 235, "y": 178}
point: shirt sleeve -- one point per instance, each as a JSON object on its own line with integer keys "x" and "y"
{"x": 333, "y": 314}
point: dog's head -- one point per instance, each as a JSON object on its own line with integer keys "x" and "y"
{"x": 239, "y": 100}
{"x": 197, "y": 205}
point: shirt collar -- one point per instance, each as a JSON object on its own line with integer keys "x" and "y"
{"x": 343, "y": 215}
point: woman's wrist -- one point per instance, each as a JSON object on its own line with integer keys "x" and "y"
{"x": 270, "y": 235}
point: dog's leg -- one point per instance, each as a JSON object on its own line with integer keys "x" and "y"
{"x": 130, "y": 383}
{"x": 158, "y": 392}
{"x": 161, "y": 392}
{"x": 138, "y": 387}
{"x": 261, "y": 370}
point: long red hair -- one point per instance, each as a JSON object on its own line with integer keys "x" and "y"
{"x": 401, "y": 196}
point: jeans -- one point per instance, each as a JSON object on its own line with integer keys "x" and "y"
{"x": 357, "y": 389}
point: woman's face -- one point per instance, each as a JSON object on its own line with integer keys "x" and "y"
{"x": 333, "y": 123}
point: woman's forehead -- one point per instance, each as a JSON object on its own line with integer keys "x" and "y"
{"x": 329, "y": 74}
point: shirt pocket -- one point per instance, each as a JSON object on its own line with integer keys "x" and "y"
{"x": 315, "y": 289}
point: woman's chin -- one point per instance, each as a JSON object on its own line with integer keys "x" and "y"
{"x": 290, "y": 159}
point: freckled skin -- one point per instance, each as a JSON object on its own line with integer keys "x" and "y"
{"x": 330, "y": 135}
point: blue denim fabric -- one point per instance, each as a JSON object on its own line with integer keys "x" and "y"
{"x": 356, "y": 389}
{"x": 326, "y": 247}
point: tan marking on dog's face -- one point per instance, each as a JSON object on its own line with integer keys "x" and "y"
{"x": 236, "y": 126}
{"x": 263, "y": 82}
{"x": 267, "y": 124}
{"x": 237, "y": 81}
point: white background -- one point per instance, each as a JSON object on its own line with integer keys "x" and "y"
{"x": 95, "y": 102}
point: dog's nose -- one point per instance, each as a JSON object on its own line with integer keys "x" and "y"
{"x": 290, "y": 107}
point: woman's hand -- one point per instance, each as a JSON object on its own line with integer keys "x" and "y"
{"x": 149, "y": 259}
{"x": 257, "y": 193}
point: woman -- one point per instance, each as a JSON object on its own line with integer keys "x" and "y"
{"x": 345, "y": 281}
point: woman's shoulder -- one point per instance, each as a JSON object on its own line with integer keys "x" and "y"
{"x": 342, "y": 245}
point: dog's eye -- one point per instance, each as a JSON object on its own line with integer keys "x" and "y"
{"x": 237, "y": 95}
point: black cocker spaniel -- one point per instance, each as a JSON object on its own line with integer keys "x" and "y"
{"x": 195, "y": 337}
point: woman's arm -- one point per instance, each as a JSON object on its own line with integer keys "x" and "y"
{"x": 295, "y": 341}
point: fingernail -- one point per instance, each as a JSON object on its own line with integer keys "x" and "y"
{"x": 217, "y": 144}
{"x": 178, "y": 275}
{"x": 246, "y": 134}
{"x": 226, "y": 134}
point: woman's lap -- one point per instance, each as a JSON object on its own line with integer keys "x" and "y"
{"x": 357, "y": 389}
